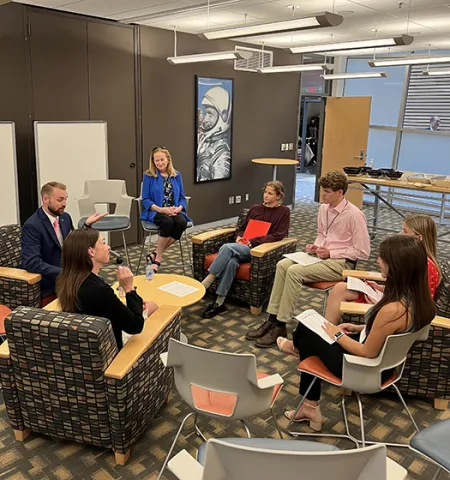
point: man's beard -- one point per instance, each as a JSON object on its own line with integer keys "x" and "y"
{"x": 55, "y": 213}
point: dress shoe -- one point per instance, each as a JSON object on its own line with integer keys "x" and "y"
{"x": 259, "y": 332}
{"x": 270, "y": 338}
{"x": 213, "y": 309}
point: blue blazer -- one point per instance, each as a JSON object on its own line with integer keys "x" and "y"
{"x": 153, "y": 194}
{"x": 41, "y": 250}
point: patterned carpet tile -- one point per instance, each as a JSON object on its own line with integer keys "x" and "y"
{"x": 41, "y": 457}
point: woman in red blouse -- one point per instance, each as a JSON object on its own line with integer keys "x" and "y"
{"x": 419, "y": 226}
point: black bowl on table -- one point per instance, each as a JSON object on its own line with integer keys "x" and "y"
{"x": 352, "y": 170}
{"x": 375, "y": 173}
{"x": 395, "y": 175}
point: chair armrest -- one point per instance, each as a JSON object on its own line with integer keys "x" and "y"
{"x": 394, "y": 471}
{"x": 354, "y": 308}
{"x": 265, "y": 248}
{"x": 362, "y": 361}
{"x": 164, "y": 356}
{"x": 185, "y": 467}
{"x": 363, "y": 275}
{"x": 203, "y": 237}
{"x": 4, "y": 349}
{"x": 19, "y": 274}
{"x": 270, "y": 381}
{"x": 138, "y": 344}
{"x": 440, "y": 322}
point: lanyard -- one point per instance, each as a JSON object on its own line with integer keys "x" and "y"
{"x": 332, "y": 221}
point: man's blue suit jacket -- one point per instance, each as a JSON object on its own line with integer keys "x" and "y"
{"x": 41, "y": 250}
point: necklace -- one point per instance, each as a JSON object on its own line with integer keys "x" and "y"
{"x": 332, "y": 221}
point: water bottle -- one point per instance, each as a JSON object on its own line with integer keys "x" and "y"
{"x": 149, "y": 271}
{"x": 371, "y": 163}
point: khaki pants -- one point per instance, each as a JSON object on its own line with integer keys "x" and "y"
{"x": 290, "y": 278}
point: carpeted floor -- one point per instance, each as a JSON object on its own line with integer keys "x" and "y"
{"x": 41, "y": 457}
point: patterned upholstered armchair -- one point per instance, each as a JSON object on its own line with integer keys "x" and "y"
{"x": 62, "y": 376}
{"x": 17, "y": 286}
{"x": 254, "y": 280}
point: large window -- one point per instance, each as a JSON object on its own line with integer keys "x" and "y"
{"x": 380, "y": 149}
{"x": 386, "y": 92}
{"x": 424, "y": 152}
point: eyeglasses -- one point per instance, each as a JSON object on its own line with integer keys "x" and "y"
{"x": 162, "y": 147}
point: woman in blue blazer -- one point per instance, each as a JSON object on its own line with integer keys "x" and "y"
{"x": 164, "y": 202}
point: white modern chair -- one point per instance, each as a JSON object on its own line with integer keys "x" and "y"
{"x": 152, "y": 229}
{"x": 268, "y": 459}
{"x": 221, "y": 385}
{"x": 363, "y": 376}
{"x": 111, "y": 192}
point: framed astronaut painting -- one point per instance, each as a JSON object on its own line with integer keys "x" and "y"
{"x": 213, "y": 129}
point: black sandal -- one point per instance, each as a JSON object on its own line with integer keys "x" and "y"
{"x": 150, "y": 257}
{"x": 158, "y": 264}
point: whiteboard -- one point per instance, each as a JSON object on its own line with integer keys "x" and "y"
{"x": 9, "y": 191}
{"x": 70, "y": 153}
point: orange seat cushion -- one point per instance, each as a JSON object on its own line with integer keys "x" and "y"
{"x": 316, "y": 367}
{"x": 243, "y": 272}
{"x": 4, "y": 312}
{"x": 220, "y": 403}
{"x": 323, "y": 285}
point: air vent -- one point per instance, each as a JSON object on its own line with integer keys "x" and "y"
{"x": 258, "y": 59}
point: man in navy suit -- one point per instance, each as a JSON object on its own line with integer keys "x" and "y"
{"x": 43, "y": 235}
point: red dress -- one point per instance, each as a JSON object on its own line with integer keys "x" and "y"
{"x": 433, "y": 281}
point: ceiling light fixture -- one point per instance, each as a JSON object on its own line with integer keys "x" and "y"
{"x": 437, "y": 72}
{"x": 320, "y": 20}
{"x": 375, "y": 43}
{"x": 209, "y": 57}
{"x": 413, "y": 60}
{"x": 296, "y": 68}
{"x": 348, "y": 76}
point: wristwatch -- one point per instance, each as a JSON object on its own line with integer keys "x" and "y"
{"x": 338, "y": 335}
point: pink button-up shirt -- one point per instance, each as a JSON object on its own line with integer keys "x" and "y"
{"x": 343, "y": 231}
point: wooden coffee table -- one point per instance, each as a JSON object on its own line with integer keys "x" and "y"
{"x": 149, "y": 290}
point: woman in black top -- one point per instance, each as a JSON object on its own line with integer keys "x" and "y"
{"x": 81, "y": 290}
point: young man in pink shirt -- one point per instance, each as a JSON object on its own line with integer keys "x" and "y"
{"x": 342, "y": 239}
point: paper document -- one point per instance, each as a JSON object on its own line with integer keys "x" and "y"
{"x": 303, "y": 258}
{"x": 360, "y": 286}
{"x": 314, "y": 322}
{"x": 178, "y": 289}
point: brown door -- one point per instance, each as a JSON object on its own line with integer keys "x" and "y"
{"x": 345, "y": 137}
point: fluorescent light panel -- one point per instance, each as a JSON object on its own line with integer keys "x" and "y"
{"x": 326, "y": 19}
{"x": 207, "y": 57}
{"x": 374, "y": 43}
{"x": 419, "y": 60}
{"x": 296, "y": 68}
{"x": 436, "y": 72}
{"x": 355, "y": 75}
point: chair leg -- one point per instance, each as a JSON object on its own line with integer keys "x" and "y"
{"x": 249, "y": 435}
{"x": 406, "y": 407}
{"x": 188, "y": 248}
{"x": 126, "y": 249}
{"x": 325, "y": 301}
{"x": 347, "y": 427}
{"x": 166, "y": 461}
{"x": 182, "y": 256}
{"x": 122, "y": 458}
{"x": 255, "y": 310}
{"x": 197, "y": 429}
{"x": 142, "y": 253}
{"x": 361, "y": 418}
{"x": 276, "y": 423}
{"x": 21, "y": 435}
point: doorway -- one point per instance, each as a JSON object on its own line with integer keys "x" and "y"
{"x": 309, "y": 147}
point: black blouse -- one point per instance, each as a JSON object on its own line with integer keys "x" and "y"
{"x": 97, "y": 298}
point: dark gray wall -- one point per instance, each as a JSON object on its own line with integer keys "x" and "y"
{"x": 265, "y": 115}
{"x": 79, "y": 68}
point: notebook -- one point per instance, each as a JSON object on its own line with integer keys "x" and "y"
{"x": 359, "y": 286}
{"x": 256, "y": 228}
{"x": 314, "y": 322}
{"x": 303, "y": 258}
